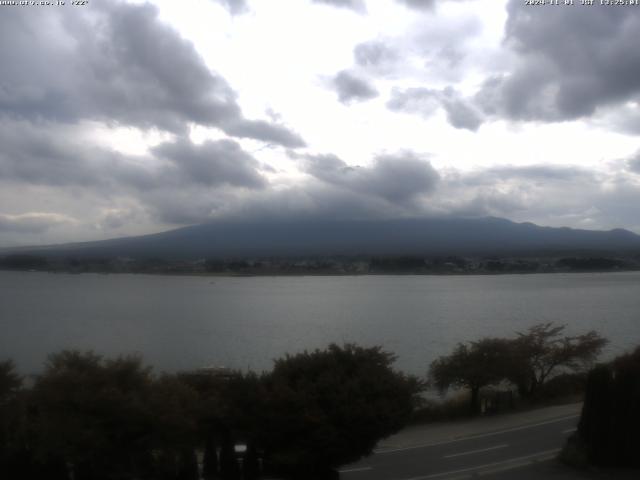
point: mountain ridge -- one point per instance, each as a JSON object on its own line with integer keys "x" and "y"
{"x": 307, "y": 237}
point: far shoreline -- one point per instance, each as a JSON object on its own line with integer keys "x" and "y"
{"x": 321, "y": 274}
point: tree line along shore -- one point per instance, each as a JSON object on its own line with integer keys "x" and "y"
{"x": 340, "y": 265}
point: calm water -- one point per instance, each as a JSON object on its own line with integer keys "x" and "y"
{"x": 186, "y": 322}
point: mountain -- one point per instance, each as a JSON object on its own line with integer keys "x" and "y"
{"x": 424, "y": 236}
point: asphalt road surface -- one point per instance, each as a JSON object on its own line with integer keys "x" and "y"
{"x": 493, "y": 454}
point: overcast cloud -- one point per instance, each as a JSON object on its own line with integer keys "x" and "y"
{"x": 235, "y": 7}
{"x": 32, "y": 222}
{"x": 356, "y": 5}
{"x": 424, "y": 101}
{"x": 351, "y": 87}
{"x": 398, "y": 178}
{"x": 634, "y": 163}
{"x": 212, "y": 163}
{"x": 129, "y": 117}
{"x": 117, "y": 62}
{"x": 570, "y": 63}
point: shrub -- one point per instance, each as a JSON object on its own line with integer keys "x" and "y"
{"x": 610, "y": 419}
{"x": 330, "y": 407}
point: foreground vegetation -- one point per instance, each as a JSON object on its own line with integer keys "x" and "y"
{"x": 607, "y": 433}
{"x": 91, "y": 418}
{"x": 526, "y": 362}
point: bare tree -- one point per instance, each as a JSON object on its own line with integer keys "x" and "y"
{"x": 542, "y": 352}
{"x": 473, "y": 366}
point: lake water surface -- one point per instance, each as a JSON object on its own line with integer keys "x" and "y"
{"x": 180, "y": 322}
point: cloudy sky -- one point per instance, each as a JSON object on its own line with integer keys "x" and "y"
{"x": 128, "y": 117}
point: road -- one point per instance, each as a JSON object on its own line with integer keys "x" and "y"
{"x": 490, "y": 453}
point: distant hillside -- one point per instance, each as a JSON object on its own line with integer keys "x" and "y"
{"x": 427, "y": 236}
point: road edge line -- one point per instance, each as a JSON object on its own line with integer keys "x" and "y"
{"x": 474, "y": 436}
{"x": 502, "y": 466}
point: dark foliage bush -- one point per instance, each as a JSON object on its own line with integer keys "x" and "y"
{"x": 452, "y": 408}
{"x": 563, "y": 386}
{"x": 92, "y": 418}
{"x": 610, "y": 420}
{"x": 330, "y": 407}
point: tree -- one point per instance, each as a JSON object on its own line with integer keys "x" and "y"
{"x": 527, "y": 361}
{"x": 93, "y": 413}
{"x": 173, "y": 406}
{"x": 10, "y": 381}
{"x": 610, "y": 420}
{"x": 112, "y": 419}
{"x": 473, "y": 366}
{"x": 10, "y": 418}
{"x": 330, "y": 407}
{"x": 230, "y": 410}
{"x": 542, "y": 352}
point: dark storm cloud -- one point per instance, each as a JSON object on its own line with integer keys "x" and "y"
{"x": 351, "y": 88}
{"x": 390, "y": 188}
{"x": 397, "y": 178}
{"x": 32, "y": 155}
{"x": 425, "y": 101}
{"x": 116, "y": 63}
{"x": 120, "y": 64}
{"x": 556, "y": 195}
{"x": 356, "y": 5}
{"x": 178, "y": 183}
{"x": 548, "y": 195}
{"x": 265, "y": 131}
{"x": 212, "y": 163}
{"x": 235, "y": 7}
{"x": 570, "y": 63}
{"x": 38, "y": 157}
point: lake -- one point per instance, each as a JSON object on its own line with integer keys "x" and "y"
{"x": 182, "y": 322}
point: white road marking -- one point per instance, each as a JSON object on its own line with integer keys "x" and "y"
{"x": 471, "y": 452}
{"x": 569, "y": 430}
{"x": 360, "y": 469}
{"x": 472, "y": 437}
{"x": 505, "y": 464}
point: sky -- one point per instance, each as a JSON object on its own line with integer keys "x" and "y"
{"x": 122, "y": 118}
